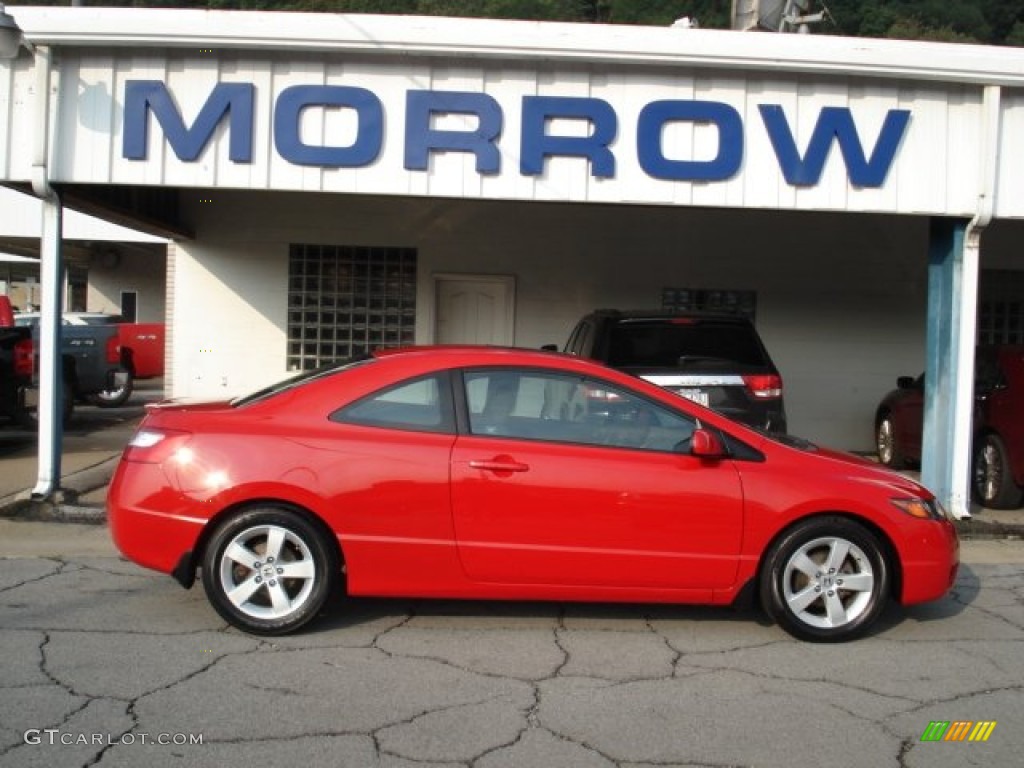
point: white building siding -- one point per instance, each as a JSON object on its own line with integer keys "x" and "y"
{"x": 935, "y": 170}
{"x": 1010, "y": 171}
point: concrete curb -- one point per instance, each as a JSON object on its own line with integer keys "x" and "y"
{"x": 975, "y": 528}
{"x": 64, "y": 507}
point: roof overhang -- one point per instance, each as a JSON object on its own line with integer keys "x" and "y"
{"x": 523, "y": 40}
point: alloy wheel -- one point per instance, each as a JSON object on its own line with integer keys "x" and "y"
{"x": 267, "y": 572}
{"x": 828, "y": 583}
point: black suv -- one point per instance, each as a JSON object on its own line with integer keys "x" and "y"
{"x": 715, "y": 360}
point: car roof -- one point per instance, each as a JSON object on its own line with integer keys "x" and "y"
{"x": 462, "y": 351}
{"x": 629, "y": 315}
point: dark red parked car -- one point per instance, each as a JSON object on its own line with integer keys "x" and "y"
{"x": 998, "y": 463}
{"x": 485, "y": 473}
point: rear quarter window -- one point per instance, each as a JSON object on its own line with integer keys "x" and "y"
{"x": 662, "y": 344}
{"x": 419, "y": 405}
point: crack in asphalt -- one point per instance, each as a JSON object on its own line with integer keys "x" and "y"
{"x": 61, "y": 567}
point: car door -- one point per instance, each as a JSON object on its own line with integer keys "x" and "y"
{"x": 562, "y": 480}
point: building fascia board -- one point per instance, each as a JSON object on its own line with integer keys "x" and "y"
{"x": 522, "y": 40}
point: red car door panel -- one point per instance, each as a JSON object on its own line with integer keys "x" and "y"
{"x": 536, "y": 512}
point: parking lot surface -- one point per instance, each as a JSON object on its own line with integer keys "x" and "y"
{"x": 103, "y": 661}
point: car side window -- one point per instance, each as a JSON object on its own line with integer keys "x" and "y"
{"x": 556, "y": 407}
{"x": 419, "y": 405}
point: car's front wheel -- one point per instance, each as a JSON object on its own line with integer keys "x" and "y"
{"x": 993, "y": 481}
{"x": 825, "y": 580}
{"x": 269, "y": 570}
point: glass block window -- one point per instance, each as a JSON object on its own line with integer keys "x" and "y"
{"x": 345, "y": 301}
{"x": 727, "y": 301}
{"x": 1001, "y": 322}
{"x": 1001, "y": 307}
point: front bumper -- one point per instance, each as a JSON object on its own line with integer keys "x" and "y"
{"x": 930, "y": 564}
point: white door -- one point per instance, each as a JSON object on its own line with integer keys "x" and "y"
{"x": 475, "y": 309}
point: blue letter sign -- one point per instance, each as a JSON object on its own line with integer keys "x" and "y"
{"x": 537, "y": 144}
{"x": 422, "y": 138}
{"x": 235, "y": 99}
{"x": 649, "y": 144}
{"x": 834, "y": 123}
{"x": 369, "y": 131}
{"x": 232, "y": 103}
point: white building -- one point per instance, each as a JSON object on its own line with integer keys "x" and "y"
{"x": 336, "y": 182}
{"x": 111, "y": 268}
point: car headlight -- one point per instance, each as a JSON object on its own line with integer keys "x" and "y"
{"x": 923, "y": 509}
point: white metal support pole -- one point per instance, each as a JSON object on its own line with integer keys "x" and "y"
{"x": 51, "y": 382}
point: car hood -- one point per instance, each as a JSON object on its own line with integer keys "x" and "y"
{"x": 853, "y": 467}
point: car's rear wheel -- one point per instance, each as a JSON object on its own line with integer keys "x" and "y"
{"x": 116, "y": 397}
{"x": 993, "y": 480}
{"x": 269, "y": 570}
{"x": 889, "y": 453}
{"x": 825, "y": 580}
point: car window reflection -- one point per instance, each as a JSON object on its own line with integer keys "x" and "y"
{"x": 535, "y": 405}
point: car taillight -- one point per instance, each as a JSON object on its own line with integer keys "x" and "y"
{"x": 114, "y": 350}
{"x": 24, "y": 362}
{"x": 154, "y": 446}
{"x": 765, "y": 387}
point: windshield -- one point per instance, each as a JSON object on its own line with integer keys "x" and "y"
{"x": 294, "y": 381}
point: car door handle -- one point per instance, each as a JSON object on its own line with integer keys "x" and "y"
{"x": 499, "y": 465}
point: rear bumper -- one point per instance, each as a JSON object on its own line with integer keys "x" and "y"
{"x": 151, "y": 529}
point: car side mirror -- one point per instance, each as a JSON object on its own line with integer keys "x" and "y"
{"x": 905, "y": 382}
{"x": 705, "y": 444}
{"x": 549, "y": 348}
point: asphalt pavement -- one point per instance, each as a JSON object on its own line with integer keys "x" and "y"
{"x": 107, "y": 664}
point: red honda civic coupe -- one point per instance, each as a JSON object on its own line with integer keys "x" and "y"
{"x": 490, "y": 473}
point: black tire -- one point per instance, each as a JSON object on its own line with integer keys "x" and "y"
{"x": 992, "y": 477}
{"x": 854, "y": 587}
{"x": 889, "y": 453}
{"x": 114, "y": 398}
{"x": 270, "y": 603}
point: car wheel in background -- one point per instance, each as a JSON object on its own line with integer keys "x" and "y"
{"x": 889, "y": 453}
{"x": 992, "y": 480}
{"x": 268, "y": 570}
{"x": 825, "y": 580}
{"x": 114, "y": 398}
